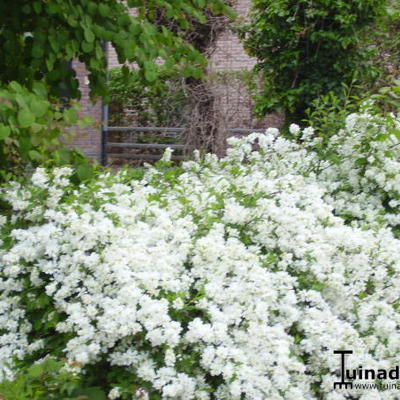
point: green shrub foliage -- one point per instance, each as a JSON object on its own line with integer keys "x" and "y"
{"x": 49, "y": 379}
{"x": 133, "y": 100}
{"x": 306, "y": 49}
{"x": 31, "y": 128}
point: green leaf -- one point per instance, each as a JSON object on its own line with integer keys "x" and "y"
{"x": 87, "y": 47}
{"x": 40, "y": 89}
{"x": 25, "y": 118}
{"x": 15, "y": 86}
{"x": 361, "y": 162}
{"x": 89, "y": 36}
{"x": 5, "y": 131}
{"x": 197, "y": 73}
{"x": 396, "y": 132}
{"x": 382, "y": 137}
{"x": 25, "y": 145}
{"x": 70, "y": 116}
{"x": 39, "y": 108}
{"x": 84, "y": 171}
{"x": 53, "y": 7}
{"x": 104, "y": 10}
{"x": 37, "y": 51}
{"x": 63, "y": 155}
{"x": 72, "y": 21}
{"x": 53, "y": 365}
{"x": 49, "y": 64}
{"x": 35, "y": 370}
{"x": 37, "y": 6}
{"x": 35, "y": 155}
{"x": 150, "y": 72}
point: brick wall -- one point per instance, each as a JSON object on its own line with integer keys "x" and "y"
{"x": 112, "y": 58}
{"x": 88, "y": 139}
{"x": 233, "y": 100}
{"x": 229, "y": 54}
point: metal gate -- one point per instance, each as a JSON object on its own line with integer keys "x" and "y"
{"x": 147, "y": 143}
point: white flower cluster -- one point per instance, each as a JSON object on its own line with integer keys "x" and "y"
{"x": 365, "y": 182}
{"x": 234, "y": 279}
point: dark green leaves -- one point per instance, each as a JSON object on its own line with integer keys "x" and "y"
{"x": 306, "y": 49}
{"x": 38, "y": 40}
{"x": 66, "y": 30}
{"x": 104, "y": 9}
{"x": 84, "y": 171}
{"x": 47, "y": 379}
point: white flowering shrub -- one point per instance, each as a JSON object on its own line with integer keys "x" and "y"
{"x": 223, "y": 279}
{"x": 361, "y": 169}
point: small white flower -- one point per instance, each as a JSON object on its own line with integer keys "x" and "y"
{"x": 167, "y": 154}
{"x": 272, "y": 131}
{"x": 294, "y": 129}
{"x": 40, "y": 178}
{"x": 141, "y": 394}
{"x": 114, "y": 393}
{"x": 178, "y": 304}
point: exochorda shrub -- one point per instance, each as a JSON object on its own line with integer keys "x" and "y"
{"x": 222, "y": 279}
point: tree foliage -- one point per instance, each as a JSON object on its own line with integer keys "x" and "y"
{"x": 39, "y": 39}
{"x": 307, "y": 48}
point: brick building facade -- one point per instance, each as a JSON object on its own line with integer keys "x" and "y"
{"x": 234, "y": 102}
